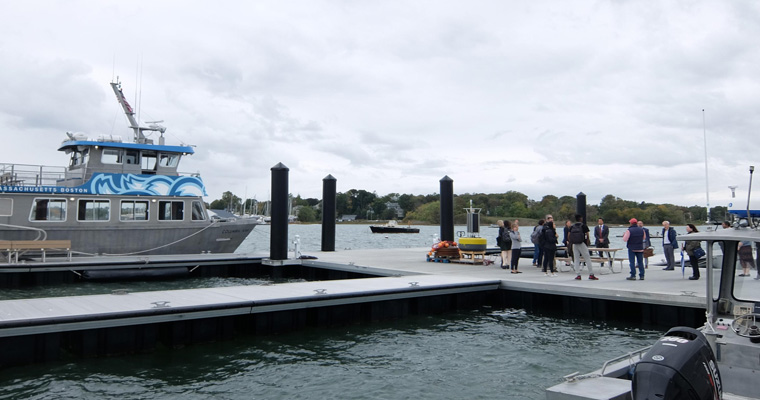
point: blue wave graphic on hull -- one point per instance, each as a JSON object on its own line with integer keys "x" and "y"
{"x": 146, "y": 185}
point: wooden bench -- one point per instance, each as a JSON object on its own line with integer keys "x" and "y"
{"x": 14, "y": 247}
{"x": 609, "y": 261}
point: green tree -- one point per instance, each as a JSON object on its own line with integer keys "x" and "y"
{"x": 228, "y": 202}
{"x": 307, "y": 214}
{"x": 719, "y": 213}
{"x": 430, "y": 212}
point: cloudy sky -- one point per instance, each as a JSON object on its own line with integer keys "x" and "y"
{"x": 540, "y": 97}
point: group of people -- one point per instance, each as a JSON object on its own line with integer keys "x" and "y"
{"x": 510, "y": 244}
{"x": 694, "y": 250}
{"x": 576, "y": 239}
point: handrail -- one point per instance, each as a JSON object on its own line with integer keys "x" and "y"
{"x": 575, "y": 376}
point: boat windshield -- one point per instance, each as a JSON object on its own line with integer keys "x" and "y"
{"x": 746, "y": 283}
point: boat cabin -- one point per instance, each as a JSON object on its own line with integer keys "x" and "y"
{"x": 89, "y": 157}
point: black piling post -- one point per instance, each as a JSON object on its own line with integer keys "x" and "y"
{"x": 328, "y": 213}
{"x": 278, "y": 239}
{"x": 580, "y": 206}
{"x": 447, "y": 208}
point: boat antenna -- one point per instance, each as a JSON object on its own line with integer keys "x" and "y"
{"x": 130, "y": 113}
{"x": 707, "y": 184}
{"x": 749, "y": 194}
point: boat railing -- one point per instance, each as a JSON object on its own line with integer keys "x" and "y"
{"x": 629, "y": 359}
{"x": 30, "y": 175}
{"x": 42, "y": 175}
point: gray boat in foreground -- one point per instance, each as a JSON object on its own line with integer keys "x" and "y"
{"x": 720, "y": 360}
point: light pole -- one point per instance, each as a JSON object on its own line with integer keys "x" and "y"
{"x": 749, "y": 193}
{"x": 707, "y": 184}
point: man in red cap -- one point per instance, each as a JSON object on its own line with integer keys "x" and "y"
{"x": 634, "y": 237}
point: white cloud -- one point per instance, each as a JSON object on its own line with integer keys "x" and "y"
{"x": 603, "y": 97}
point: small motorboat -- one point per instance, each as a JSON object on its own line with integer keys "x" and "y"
{"x": 718, "y": 360}
{"x": 392, "y": 227}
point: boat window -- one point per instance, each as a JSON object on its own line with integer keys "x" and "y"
{"x": 745, "y": 284}
{"x": 149, "y": 162}
{"x": 134, "y": 210}
{"x": 111, "y": 156}
{"x": 171, "y": 210}
{"x": 48, "y": 210}
{"x": 6, "y": 207}
{"x": 168, "y": 160}
{"x": 131, "y": 156}
{"x": 94, "y": 210}
{"x": 79, "y": 157}
{"x": 198, "y": 213}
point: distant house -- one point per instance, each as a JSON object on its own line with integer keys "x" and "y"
{"x": 348, "y": 217}
{"x": 396, "y": 209}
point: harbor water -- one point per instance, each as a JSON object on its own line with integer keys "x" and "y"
{"x": 470, "y": 354}
{"x": 477, "y": 353}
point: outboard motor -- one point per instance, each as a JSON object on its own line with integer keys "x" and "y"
{"x": 681, "y": 365}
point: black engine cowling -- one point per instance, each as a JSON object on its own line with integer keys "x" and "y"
{"x": 681, "y": 365}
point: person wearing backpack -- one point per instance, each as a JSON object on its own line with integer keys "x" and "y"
{"x": 578, "y": 238}
{"x": 548, "y": 241}
{"x": 534, "y": 238}
{"x": 505, "y": 242}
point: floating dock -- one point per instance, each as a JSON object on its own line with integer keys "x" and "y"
{"x": 38, "y": 330}
{"x": 403, "y": 283}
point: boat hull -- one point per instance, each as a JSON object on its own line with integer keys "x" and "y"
{"x": 393, "y": 229}
{"x": 116, "y": 237}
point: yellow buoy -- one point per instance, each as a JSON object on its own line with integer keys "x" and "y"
{"x": 472, "y": 244}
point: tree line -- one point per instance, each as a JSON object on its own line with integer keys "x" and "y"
{"x": 510, "y": 205}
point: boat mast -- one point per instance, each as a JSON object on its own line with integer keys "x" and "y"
{"x": 130, "y": 113}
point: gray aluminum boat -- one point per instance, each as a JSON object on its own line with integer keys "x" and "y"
{"x": 115, "y": 198}
{"x": 719, "y": 360}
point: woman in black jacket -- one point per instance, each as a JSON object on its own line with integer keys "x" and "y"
{"x": 689, "y": 247}
{"x": 549, "y": 245}
{"x": 505, "y": 245}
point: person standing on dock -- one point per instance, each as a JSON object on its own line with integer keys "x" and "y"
{"x": 566, "y": 242}
{"x": 534, "y": 238}
{"x": 516, "y": 247}
{"x": 669, "y": 244}
{"x": 689, "y": 247}
{"x": 579, "y": 239}
{"x": 504, "y": 240}
{"x": 634, "y": 237}
{"x": 602, "y": 238}
{"x": 549, "y": 245}
{"x": 647, "y": 242}
{"x": 745, "y": 257}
